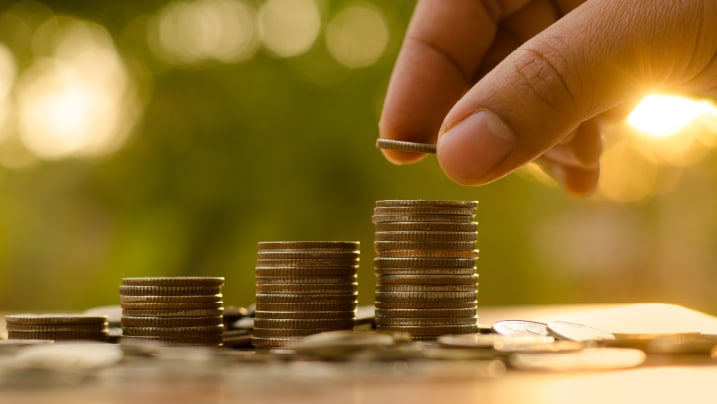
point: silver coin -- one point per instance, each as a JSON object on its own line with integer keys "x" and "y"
{"x": 426, "y": 288}
{"x": 400, "y": 145}
{"x": 425, "y": 236}
{"x": 449, "y": 254}
{"x": 379, "y": 246}
{"x": 584, "y": 360}
{"x": 428, "y": 202}
{"x": 565, "y": 330}
{"x": 427, "y": 226}
{"x": 423, "y": 210}
{"x": 551, "y": 347}
{"x": 410, "y": 297}
{"x": 424, "y": 322}
{"x": 318, "y": 288}
{"x": 422, "y": 218}
{"x": 426, "y": 313}
{"x": 406, "y": 280}
{"x": 381, "y": 272}
{"x": 426, "y": 262}
{"x": 490, "y": 341}
{"x": 520, "y": 327}
{"x": 309, "y": 245}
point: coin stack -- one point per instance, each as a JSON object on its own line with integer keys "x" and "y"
{"x": 57, "y": 326}
{"x": 425, "y": 265}
{"x": 175, "y": 310}
{"x": 303, "y": 288}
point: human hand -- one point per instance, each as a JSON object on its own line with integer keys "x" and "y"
{"x": 500, "y": 83}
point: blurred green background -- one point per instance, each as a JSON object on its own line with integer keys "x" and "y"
{"x": 162, "y": 138}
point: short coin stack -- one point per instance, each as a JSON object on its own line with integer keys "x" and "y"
{"x": 425, "y": 265}
{"x": 57, "y": 326}
{"x": 175, "y": 310}
{"x": 303, "y": 288}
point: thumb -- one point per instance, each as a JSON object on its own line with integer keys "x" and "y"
{"x": 600, "y": 55}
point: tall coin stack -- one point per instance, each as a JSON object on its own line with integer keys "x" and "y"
{"x": 175, "y": 310}
{"x": 425, "y": 265}
{"x": 57, "y": 326}
{"x": 303, "y": 288}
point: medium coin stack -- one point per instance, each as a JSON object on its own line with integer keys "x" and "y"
{"x": 175, "y": 310}
{"x": 57, "y": 326}
{"x": 425, "y": 265}
{"x": 303, "y": 288}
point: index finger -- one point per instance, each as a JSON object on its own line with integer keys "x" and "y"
{"x": 444, "y": 45}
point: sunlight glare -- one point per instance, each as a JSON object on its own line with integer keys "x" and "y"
{"x": 665, "y": 115}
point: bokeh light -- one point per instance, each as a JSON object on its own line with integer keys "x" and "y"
{"x": 79, "y": 98}
{"x": 289, "y": 27}
{"x": 191, "y": 32}
{"x": 357, "y": 36}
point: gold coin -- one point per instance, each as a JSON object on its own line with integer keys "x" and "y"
{"x": 272, "y": 342}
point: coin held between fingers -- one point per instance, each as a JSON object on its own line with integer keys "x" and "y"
{"x": 388, "y": 144}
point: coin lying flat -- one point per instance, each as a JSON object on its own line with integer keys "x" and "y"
{"x": 133, "y": 321}
{"x": 565, "y": 330}
{"x": 159, "y": 312}
{"x": 262, "y": 298}
{"x": 400, "y": 145}
{"x": 427, "y": 226}
{"x": 489, "y": 341}
{"x": 308, "y": 254}
{"x": 421, "y": 322}
{"x": 303, "y": 280}
{"x": 428, "y": 279}
{"x": 309, "y": 245}
{"x": 335, "y": 305}
{"x": 407, "y": 297}
{"x": 382, "y": 262}
{"x": 58, "y": 335}
{"x": 426, "y": 313}
{"x": 313, "y": 323}
{"x": 308, "y": 314}
{"x": 175, "y": 281}
{"x": 55, "y": 318}
{"x": 583, "y": 360}
{"x": 303, "y": 271}
{"x": 427, "y": 202}
{"x": 290, "y": 332}
{"x": 318, "y": 288}
{"x": 423, "y": 210}
{"x": 438, "y": 304}
{"x": 411, "y": 288}
{"x": 422, "y": 218}
{"x": 172, "y": 306}
{"x": 380, "y": 272}
{"x": 134, "y": 290}
{"x": 434, "y": 330}
{"x": 318, "y": 262}
{"x": 426, "y": 236}
{"x": 520, "y": 327}
{"x": 171, "y": 299}
{"x": 380, "y": 246}
{"x": 172, "y": 331}
{"x": 81, "y": 327}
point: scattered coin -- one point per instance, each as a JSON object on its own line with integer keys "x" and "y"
{"x": 587, "y": 359}
{"x": 489, "y": 341}
{"x": 400, "y": 145}
{"x": 565, "y": 330}
{"x": 520, "y": 327}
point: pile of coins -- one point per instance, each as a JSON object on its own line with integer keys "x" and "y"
{"x": 174, "y": 310}
{"x": 425, "y": 266}
{"x": 57, "y": 327}
{"x": 303, "y": 288}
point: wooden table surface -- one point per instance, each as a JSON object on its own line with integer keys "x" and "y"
{"x": 204, "y": 379}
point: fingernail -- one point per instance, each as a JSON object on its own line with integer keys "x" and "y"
{"x": 471, "y": 150}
